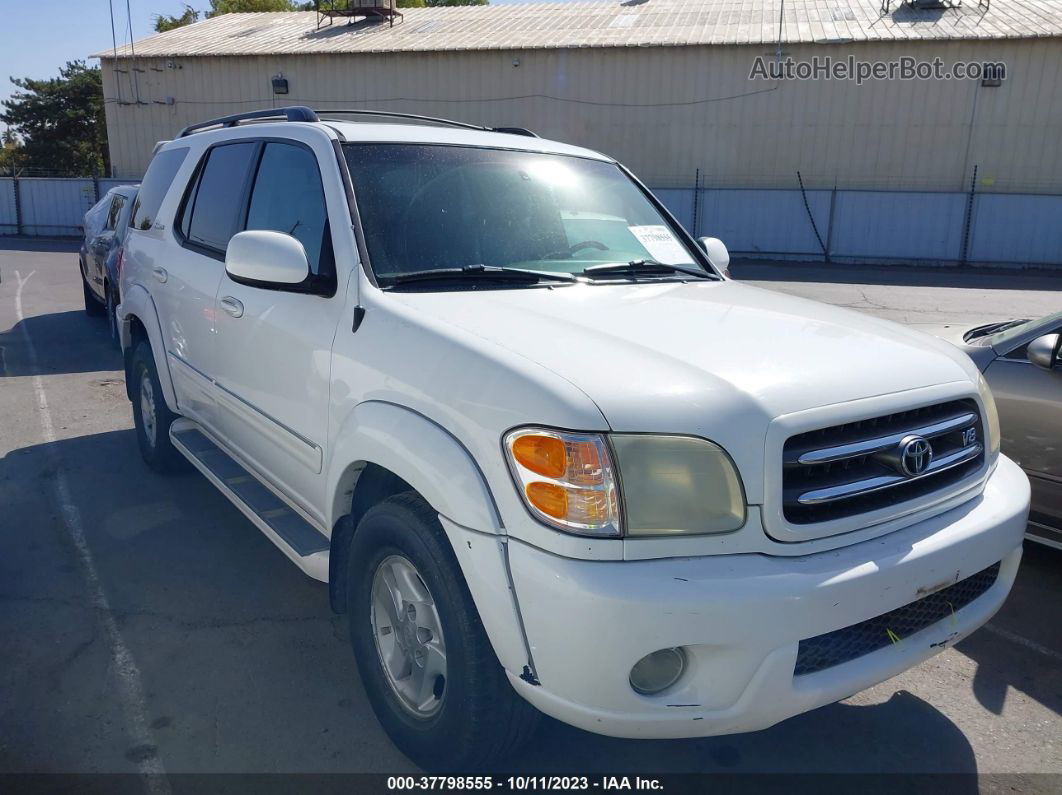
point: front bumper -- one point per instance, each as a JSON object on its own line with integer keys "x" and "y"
{"x": 741, "y": 618}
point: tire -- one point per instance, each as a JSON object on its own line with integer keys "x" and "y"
{"x": 112, "y": 318}
{"x": 93, "y": 307}
{"x": 151, "y": 416}
{"x": 473, "y": 717}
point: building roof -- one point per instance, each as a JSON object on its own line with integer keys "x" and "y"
{"x": 633, "y": 23}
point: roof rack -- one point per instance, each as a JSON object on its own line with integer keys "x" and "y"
{"x": 293, "y": 113}
{"x": 391, "y": 114}
{"x": 301, "y": 113}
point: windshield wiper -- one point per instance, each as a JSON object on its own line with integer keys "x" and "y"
{"x": 643, "y": 266}
{"x": 482, "y": 272}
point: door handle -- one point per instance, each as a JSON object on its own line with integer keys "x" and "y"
{"x": 232, "y": 306}
{"x": 160, "y": 274}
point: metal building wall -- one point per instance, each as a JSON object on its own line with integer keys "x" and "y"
{"x": 663, "y": 111}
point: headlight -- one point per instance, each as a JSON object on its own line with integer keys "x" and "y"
{"x": 988, "y": 400}
{"x": 677, "y": 485}
{"x": 566, "y": 479}
{"x": 671, "y": 485}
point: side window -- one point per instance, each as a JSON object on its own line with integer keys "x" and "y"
{"x": 212, "y": 211}
{"x": 156, "y": 184}
{"x": 288, "y": 197}
{"x": 114, "y": 212}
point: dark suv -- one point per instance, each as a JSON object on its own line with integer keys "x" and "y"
{"x": 101, "y": 252}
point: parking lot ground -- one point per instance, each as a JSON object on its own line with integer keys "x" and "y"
{"x": 146, "y": 626}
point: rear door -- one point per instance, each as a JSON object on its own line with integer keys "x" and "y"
{"x": 274, "y": 346}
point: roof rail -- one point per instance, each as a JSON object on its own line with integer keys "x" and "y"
{"x": 293, "y": 113}
{"x": 390, "y": 114}
{"x": 516, "y": 131}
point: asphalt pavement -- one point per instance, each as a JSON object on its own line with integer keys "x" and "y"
{"x": 147, "y": 627}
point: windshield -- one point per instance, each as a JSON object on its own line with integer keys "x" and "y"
{"x": 426, "y": 206}
{"x": 1011, "y": 333}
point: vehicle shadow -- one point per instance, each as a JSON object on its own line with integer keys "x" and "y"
{"x": 65, "y": 342}
{"x": 1019, "y": 650}
{"x": 897, "y": 275}
{"x": 54, "y": 244}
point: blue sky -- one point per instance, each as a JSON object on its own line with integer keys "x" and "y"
{"x": 38, "y": 39}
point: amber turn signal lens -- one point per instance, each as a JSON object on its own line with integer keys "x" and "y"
{"x": 549, "y": 498}
{"x": 543, "y": 455}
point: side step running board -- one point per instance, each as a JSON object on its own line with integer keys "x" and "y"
{"x": 290, "y": 531}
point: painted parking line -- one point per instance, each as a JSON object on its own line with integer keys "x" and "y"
{"x": 130, "y": 688}
{"x": 1013, "y": 637}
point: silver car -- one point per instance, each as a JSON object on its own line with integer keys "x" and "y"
{"x": 1022, "y": 361}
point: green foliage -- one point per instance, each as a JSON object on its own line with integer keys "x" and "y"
{"x": 218, "y": 7}
{"x": 164, "y": 23}
{"x": 410, "y": 3}
{"x": 435, "y": 3}
{"x": 60, "y": 121}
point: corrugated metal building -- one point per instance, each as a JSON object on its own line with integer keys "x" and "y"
{"x": 663, "y": 85}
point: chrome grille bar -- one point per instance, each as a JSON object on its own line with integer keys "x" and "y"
{"x": 845, "y": 490}
{"x": 869, "y": 446}
{"x": 859, "y": 466}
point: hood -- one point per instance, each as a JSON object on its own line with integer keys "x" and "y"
{"x": 981, "y": 352}
{"x": 719, "y": 360}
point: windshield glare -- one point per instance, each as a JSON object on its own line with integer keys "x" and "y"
{"x": 426, "y": 206}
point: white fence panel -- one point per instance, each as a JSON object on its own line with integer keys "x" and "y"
{"x": 896, "y": 225}
{"x": 765, "y": 223}
{"x": 55, "y": 206}
{"x": 1010, "y": 227}
{"x": 8, "y": 215}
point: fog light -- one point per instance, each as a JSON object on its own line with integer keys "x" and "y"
{"x": 657, "y": 671}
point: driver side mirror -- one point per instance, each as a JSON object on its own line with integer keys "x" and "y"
{"x": 1045, "y": 352}
{"x": 260, "y": 258}
{"x": 717, "y": 254}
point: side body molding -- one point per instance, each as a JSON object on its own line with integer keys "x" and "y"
{"x": 421, "y": 452}
{"x": 136, "y": 301}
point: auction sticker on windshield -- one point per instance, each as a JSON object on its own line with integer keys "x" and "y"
{"x": 661, "y": 244}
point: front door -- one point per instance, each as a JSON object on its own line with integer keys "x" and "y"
{"x": 1029, "y": 400}
{"x": 274, "y": 347}
{"x": 208, "y": 218}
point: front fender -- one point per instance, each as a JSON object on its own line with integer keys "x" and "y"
{"x": 421, "y": 452}
{"x": 138, "y": 303}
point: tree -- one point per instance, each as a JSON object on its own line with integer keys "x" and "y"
{"x": 219, "y": 7}
{"x": 164, "y": 23}
{"x": 410, "y": 4}
{"x": 60, "y": 121}
{"x": 10, "y": 151}
{"x": 436, "y": 3}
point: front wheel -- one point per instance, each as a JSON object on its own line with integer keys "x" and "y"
{"x": 151, "y": 416}
{"x": 428, "y": 668}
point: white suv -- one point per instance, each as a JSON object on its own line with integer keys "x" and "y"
{"x": 546, "y": 456}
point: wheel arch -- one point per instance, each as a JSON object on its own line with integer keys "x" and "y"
{"x": 140, "y": 320}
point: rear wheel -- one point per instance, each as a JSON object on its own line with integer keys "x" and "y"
{"x": 93, "y": 307}
{"x": 428, "y": 668}
{"x": 151, "y": 416}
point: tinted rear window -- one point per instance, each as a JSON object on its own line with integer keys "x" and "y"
{"x": 156, "y": 184}
{"x": 211, "y": 217}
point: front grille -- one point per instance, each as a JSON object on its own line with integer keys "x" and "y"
{"x": 844, "y": 645}
{"x": 849, "y": 469}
